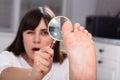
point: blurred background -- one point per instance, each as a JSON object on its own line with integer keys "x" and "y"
{"x": 99, "y": 17}
{"x": 11, "y": 11}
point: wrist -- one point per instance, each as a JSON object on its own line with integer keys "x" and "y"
{"x": 34, "y": 75}
{"x": 30, "y": 76}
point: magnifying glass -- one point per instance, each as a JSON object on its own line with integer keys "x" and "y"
{"x": 55, "y": 28}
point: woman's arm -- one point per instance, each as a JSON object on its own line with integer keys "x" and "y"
{"x": 41, "y": 66}
{"x": 13, "y": 73}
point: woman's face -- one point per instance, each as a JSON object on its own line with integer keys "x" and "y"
{"x": 34, "y": 40}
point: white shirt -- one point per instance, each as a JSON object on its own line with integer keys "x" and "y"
{"x": 57, "y": 72}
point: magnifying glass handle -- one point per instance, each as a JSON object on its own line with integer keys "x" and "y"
{"x": 52, "y": 44}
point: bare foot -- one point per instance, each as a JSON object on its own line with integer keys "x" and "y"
{"x": 80, "y": 48}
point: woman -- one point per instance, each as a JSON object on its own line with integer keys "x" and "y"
{"x": 30, "y": 57}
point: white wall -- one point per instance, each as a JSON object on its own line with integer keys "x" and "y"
{"x": 9, "y": 15}
{"x": 81, "y": 9}
{"x": 107, "y": 7}
{"x": 77, "y": 10}
{"x": 5, "y": 40}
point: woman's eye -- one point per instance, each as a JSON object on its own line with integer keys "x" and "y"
{"x": 44, "y": 33}
{"x": 30, "y": 32}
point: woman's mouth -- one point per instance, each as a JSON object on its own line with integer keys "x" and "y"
{"x": 35, "y": 49}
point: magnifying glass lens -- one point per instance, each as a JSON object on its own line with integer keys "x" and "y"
{"x": 55, "y": 27}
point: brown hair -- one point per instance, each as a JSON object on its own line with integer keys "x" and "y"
{"x": 29, "y": 22}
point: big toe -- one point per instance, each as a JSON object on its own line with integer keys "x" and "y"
{"x": 67, "y": 27}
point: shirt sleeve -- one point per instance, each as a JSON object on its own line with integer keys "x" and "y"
{"x": 5, "y": 60}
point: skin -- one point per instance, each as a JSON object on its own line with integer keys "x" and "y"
{"x": 40, "y": 60}
{"x": 38, "y": 38}
{"x": 79, "y": 47}
{"x": 81, "y": 52}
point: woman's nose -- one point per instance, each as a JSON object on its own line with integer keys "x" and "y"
{"x": 37, "y": 38}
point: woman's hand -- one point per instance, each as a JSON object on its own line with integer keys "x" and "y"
{"x": 42, "y": 62}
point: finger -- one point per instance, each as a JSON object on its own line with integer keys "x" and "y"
{"x": 44, "y": 69}
{"x": 38, "y": 61}
{"x": 45, "y": 62}
{"x": 46, "y": 56}
{"x": 48, "y": 50}
{"x": 42, "y": 55}
{"x": 36, "y": 58}
{"x": 41, "y": 68}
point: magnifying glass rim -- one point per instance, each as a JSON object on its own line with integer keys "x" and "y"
{"x": 49, "y": 26}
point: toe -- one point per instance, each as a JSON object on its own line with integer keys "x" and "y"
{"x": 67, "y": 27}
